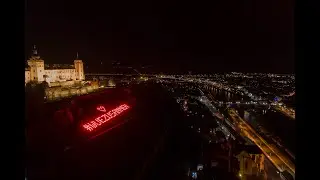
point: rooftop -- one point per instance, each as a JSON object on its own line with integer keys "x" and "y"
{"x": 251, "y": 149}
{"x": 58, "y": 66}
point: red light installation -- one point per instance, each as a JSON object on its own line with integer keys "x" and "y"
{"x": 90, "y": 126}
{"x": 101, "y": 108}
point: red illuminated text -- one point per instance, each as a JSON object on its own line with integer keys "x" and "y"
{"x": 105, "y": 117}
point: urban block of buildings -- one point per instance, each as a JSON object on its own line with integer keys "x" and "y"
{"x": 251, "y": 161}
{"x": 37, "y": 71}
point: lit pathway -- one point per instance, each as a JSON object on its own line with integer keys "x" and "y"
{"x": 280, "y": 160}
{"x": 286, "y": 111}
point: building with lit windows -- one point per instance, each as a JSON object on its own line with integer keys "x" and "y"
{"x": 37, "y": 71}
{"x": 251, "y": 162}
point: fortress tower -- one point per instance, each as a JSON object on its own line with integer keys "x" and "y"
{"x": 38, "y": 72}
{"x": 36, "y": 65}
{"x": 78, "y": 65}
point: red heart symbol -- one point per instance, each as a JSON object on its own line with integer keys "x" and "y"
{"x": 101, "y": 108}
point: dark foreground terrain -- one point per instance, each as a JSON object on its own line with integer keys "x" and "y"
{"x": 152, "y": 144}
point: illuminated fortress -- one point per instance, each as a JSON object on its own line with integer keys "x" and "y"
{"x": 37, "y": 71}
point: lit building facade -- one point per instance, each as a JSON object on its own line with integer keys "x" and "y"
{"x": 251, "y": 161}
{"x": 37, "y": 71}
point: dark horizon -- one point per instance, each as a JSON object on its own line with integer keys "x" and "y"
{"x": 170, "y": 37}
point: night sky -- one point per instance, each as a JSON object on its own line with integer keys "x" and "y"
{"x": 169, "y": 36}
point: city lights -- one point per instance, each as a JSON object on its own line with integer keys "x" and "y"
{"x": 90, "y": 126}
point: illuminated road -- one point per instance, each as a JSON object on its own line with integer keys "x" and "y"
{"x": 280, "y": 160}
{"x": 215, "y": 112}
{"x": 286, "y": 111}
